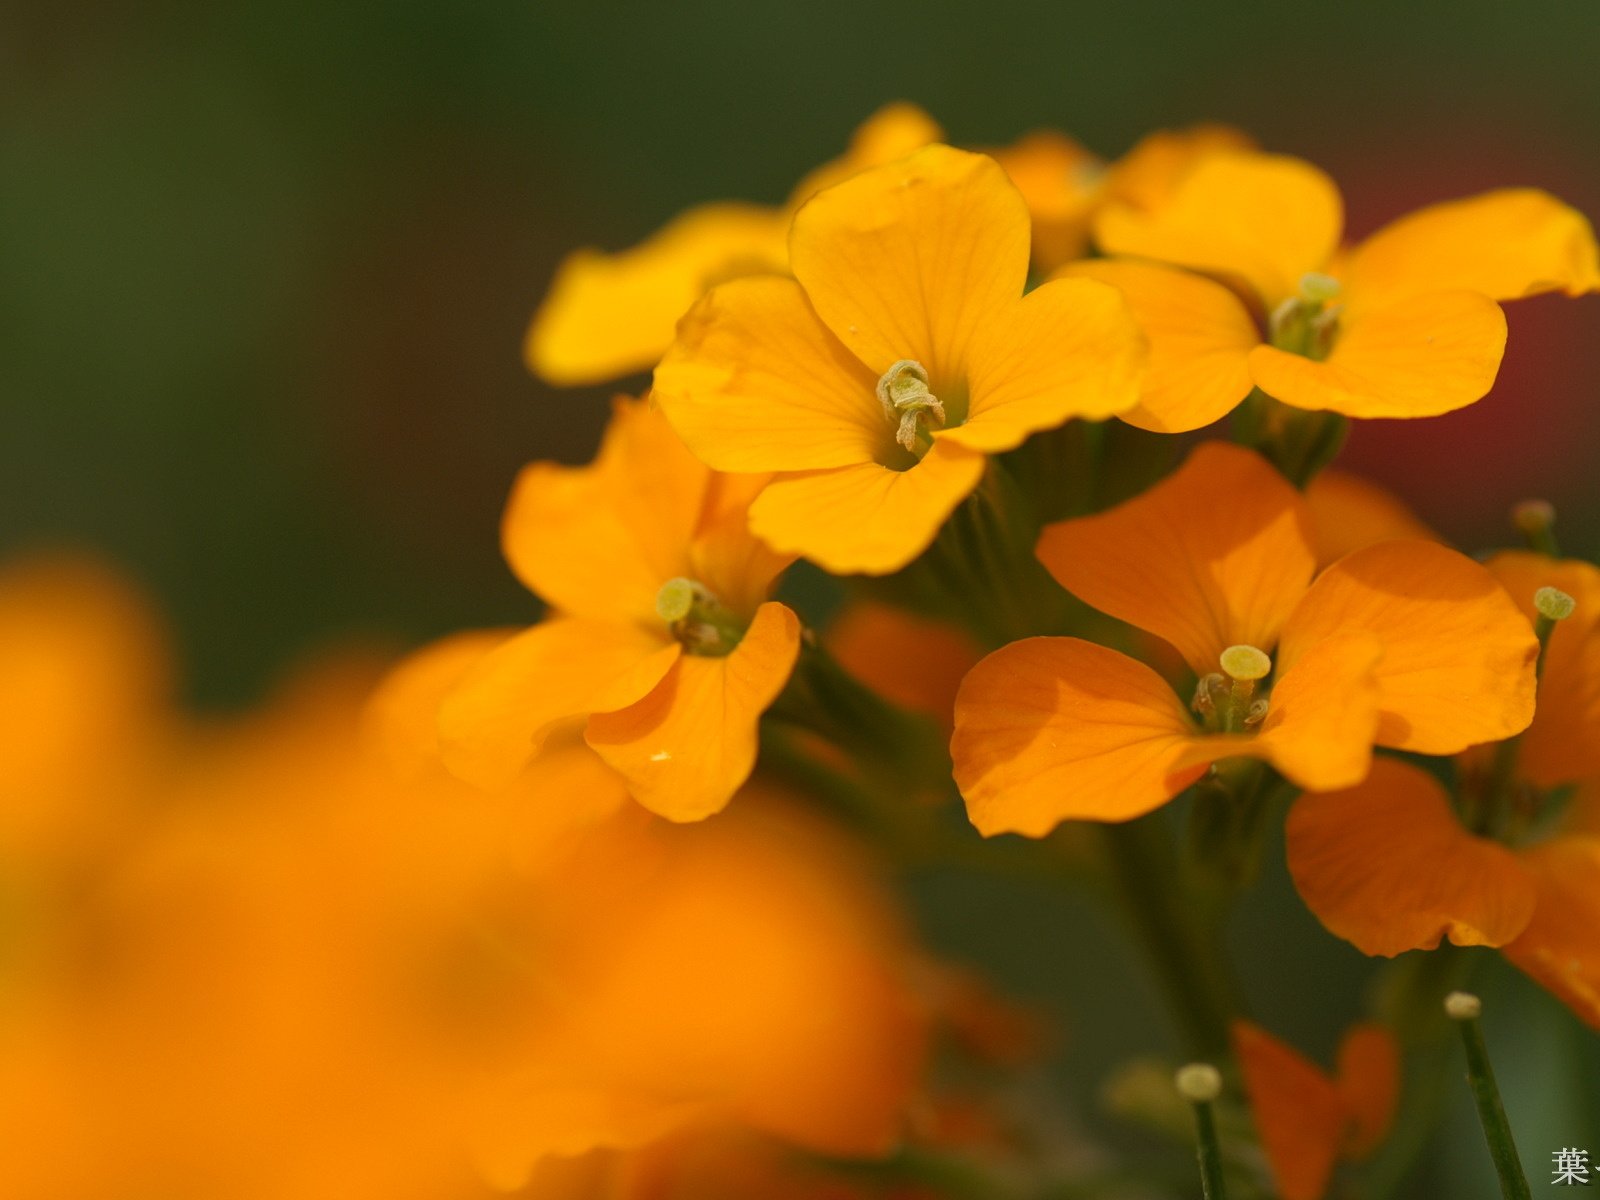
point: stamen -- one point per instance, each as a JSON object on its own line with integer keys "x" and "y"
{"x": 697, "y": 617}
{"x": 1317, "y": 288}
{"x": 1246, "y": 664}
{"x": 903, "y": 391}
{"x": 1554, "y": 604}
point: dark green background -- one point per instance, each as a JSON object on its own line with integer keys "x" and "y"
{"x": 265, "y": 267}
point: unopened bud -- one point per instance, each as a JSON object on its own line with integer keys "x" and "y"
{"x": 1533, "y": 516}
{"x": 1199, "y": 1083}
{"x": 1553, "y": 603}
{"x": 1463, "y": 1006}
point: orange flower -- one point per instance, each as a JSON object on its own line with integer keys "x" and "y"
{"x": 661, "y": 640}
{"x": 1065, "y": 185}
{"x": 608, "y": 315}
{"x": 902, "y": 352}
{"x": 1308, "y": 1120}
{"x": 1403, "y": 644}
{"x": 909, "y": 660}
{"x": 1406, "y": 324}
{"x": 1354, "y": 854}
{"x": 1349, "y": 513}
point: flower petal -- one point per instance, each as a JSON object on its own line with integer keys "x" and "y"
{"x": 1350, "y": 513}
{"x": 1054, "y": 729}
{"x": 907, "y": 260}
{"x": 1298, "y": 1112}
{"x": 1457, "y": 666}
{"x": 1387, "y": 866}
{"x": 738, "y": 567}
{"x": 1215, "y": 555}
{"x": 909, "y": 660}
{"x": 1369, "y": 1084}
{"x": 598, "y": 541}
{"x": 1563, "y": 743}
{"x": 688, "y": 745}
{"x": 755, "y": 382}
{"x": 1069, "y": 349}
{"x": 1266, "y": 219}
{"x": 495, "y": 720}
{"x": 402, "y": 714}
{"x": 893, "y": 132}
{"x": 1503, "y": 244}
{"x": 866, "y": 518}
{"x": 1199, "y": 335}
{"x": 608, "y": 315}
{"x": 1061, "y": 182}
{"x": 1419, "y": 357}
{"x": 1147, "y": 174}
{"x": 1560, "y": 948}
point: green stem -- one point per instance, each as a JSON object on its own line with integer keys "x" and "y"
{"x": 1192, "y": 973}
{"x": 1209, "y": 1153}
{"x": 1491, "y": 1112}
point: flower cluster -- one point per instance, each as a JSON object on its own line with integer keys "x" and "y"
{"x": 901, "y": 539}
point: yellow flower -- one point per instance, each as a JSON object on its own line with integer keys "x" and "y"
{"x": 1405, "y": 324}
{"x": 1065, "y": 185}
{"x": 608, "y": 315}
{"x": 661, "y": 640}
{"x": 903, "y": 351}
{"x": 1403, "y": 644}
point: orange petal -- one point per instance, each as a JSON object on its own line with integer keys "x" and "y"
{"x": 1503, "y": 244}
{"x": 1419, "y": 357}
{"x": 1298, "y": 1112}
{"x": 402, "y": 717}
{"x": 689, "y": 744}
{"x": 891, "y": 133}
{"x": 1263, "y": 218}
{"x": 1061, "y": 183}
{"x": 1563, "y": 743}
{"x": 1583, "y": 809}
{"x": 493, "y": 722}
{"x": 1215, "y": 555}
{"x": 1560, "y": 948}
{"x": 1387, "y": 866}
{"x": 907, "y": 260}
{"x": 1054, "y": 729}
{"x": 1369, "y": 1083}
{"x": 909, "y": 660}
{"x": 866, "y": 518}
{"x": 1457, "y": 666}
{"x": 737, "y": 567}
{"x": 1147, "y": 174}
{"x": 608, "y": 315}
{"x": 1350, "y": 513}
{"x": 598, "y": 541}
{"x": 1199, "y": 336}
{"x": 755, "y": 382}
{"x": 1069, "y": 349}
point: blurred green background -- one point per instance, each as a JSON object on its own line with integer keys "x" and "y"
{"x": 265, "y": 268}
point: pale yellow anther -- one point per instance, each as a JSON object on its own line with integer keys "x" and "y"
{"x": 906, "y": 398}
{"x": 675, "y": 600}
{"x": 1246, "y": 663}
{"x": 1463, "y": 1006}
{"x": 1553, "y": 603}
{"x": 1317, "y": 288}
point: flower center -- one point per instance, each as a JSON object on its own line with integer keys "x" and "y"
{"x": 1227, "y": 700}
{"x": 1307, "y": 323}
{"x": 697, "y": 618}
{"x": 910, "y": 406}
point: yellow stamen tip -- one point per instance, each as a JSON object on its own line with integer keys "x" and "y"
{"x": 1463, "y": 1006}
{"x": 1199, "y": 1083}
{"x": 1319, "y": 288}
{"x": 1246, "y": 663}
{"x": 676, "y": 599}
{"x": 1553, "y": 603}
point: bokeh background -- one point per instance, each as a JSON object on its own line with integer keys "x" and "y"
{"x": 265, "y": 268}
